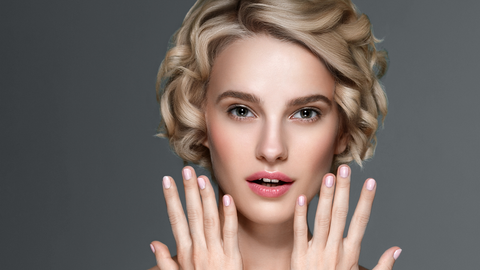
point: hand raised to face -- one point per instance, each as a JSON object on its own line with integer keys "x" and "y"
{"x": 200, "y": 243}
{"x": 328, "y": 249}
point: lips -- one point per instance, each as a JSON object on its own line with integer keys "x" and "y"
{"x": 269, "y": 184}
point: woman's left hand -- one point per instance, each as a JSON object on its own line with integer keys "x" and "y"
{"x": 328, "y": 249}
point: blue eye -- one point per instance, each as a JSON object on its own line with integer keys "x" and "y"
{"x": 307, "y": 114}
{"x": 241, "y": 112}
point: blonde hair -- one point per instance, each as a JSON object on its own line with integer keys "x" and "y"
{"x": 331, "y": 29}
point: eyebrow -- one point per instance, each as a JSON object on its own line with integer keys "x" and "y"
{"x": 239, "y": 95}
{"x": 309, "y": 99}
{"x": 254, "y": 99}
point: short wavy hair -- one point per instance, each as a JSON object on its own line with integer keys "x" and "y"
{"x": 333, "y": 30}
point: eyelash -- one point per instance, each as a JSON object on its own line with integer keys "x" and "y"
{"x": 233, "y": 113}
{"x": 317, "y": 115}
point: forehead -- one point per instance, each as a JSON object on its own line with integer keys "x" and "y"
{"x": 263, "y": 65}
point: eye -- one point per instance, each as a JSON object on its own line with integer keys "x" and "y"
{"x": 240, "y": 112}
{"x": 306, "y": 114}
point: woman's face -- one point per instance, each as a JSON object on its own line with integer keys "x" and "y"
{"x": 270, "y": 114}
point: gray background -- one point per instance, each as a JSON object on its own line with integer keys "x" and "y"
{"x": 80, "y": 168}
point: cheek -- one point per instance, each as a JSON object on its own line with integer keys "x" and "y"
{"x": 230, "y": 146}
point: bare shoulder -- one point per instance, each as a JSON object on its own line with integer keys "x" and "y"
{"x": 176, "y": 260}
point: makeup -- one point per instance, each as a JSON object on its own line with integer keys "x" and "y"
{"x": 269, "y": 184}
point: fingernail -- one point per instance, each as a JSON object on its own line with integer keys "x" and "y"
{"x": 370, "y": 184}
{"x": 226, "y": 200}
{"x": 201, "y": 183}
{"x": 187, "y": 174}
{"x": 166, "y": 182}
{"x": 329, "y": 181}
{"x": 397, "y": 253}
{"x": 344, "y": 172}
{"x": 153, "y": 248}
{"x": 301, "y": 200}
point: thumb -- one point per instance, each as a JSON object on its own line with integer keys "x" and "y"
{"x": 388, "y": 259}
{"x": 163, "y": 257}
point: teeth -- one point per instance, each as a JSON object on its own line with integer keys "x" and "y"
{"x": 267, "y": 180}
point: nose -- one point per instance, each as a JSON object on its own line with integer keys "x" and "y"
{"x": 271, "y": 145}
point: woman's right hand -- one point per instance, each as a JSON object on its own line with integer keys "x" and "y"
{"x": 200, "y": 243}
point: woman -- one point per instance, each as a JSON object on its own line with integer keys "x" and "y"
{"x": 274, "y": 98}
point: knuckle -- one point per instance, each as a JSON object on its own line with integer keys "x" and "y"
{"x": 326, "y": 195}
{"x": 228, "y": 213}
{"x": 323, "y": 222}
{"x": 175, "y": 219}
{"x": 194, "y": 215}
{"x": 209, "y": 223}
{"x": 343, "y": 183}
{"x": 362, "y": 219}
{"x": 169, "y": 195}
{"x": 300, "y": 232}
{"x": 341, "y": 213}
{"x": 229, "y": 233}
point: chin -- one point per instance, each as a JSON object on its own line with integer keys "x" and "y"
{"x": 269, "y": 212}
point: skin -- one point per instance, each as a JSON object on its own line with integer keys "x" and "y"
{"x": 269, "y": 107}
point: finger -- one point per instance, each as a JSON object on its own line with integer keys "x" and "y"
{"x": 340, "y": 204}
{"x": 230, "y": 227}
{"x": 177, "y": 217}
{"x": 211, "y": 220}
{"x": 324, "y": 211}
{"x": 194, "y": 208}
{"x": 388, "y": 259}
{"x": 163, "y": 257}
{"x": 300, "y": 227}
{"x": 362, "y": 214}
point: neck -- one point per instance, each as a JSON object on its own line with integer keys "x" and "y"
{"x": 263, "y": 246}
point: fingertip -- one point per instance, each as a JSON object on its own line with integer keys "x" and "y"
{"x": 301, "y": 200}
{"x": 397, "y": 253}
{"x": 388, "y": 258}
{"x": 329, "y": 180}
{"x": 187, "y": 172}
{"x": 370, "y": 184}
{"x": 344, "y": 171}
{"x": 167, "y": 183}
{"x": 226, "y": 200}
{"x": 162, "y": 256}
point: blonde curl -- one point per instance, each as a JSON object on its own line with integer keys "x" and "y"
{"x": 331, "y": 29}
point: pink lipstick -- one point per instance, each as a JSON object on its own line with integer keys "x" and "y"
{"x": 269, "y": 184}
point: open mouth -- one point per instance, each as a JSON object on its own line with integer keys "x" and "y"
{"x": 269, "y": 182}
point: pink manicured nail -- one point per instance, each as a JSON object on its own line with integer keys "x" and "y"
{"x": 187, "y": 174}
{"x": 370, "y": 184}
{"x": 153, "y": 248}
{"x": 201, "y": 183}
{"x": 226, "y": 200}
{"x": 301, "y": 200}
{"x": 166, "y": 182}
{"x": 329, "y": 181}
{"x": 344, "y": 172}
{"x": 397, "y": 253}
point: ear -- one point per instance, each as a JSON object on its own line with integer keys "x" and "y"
{"x": 205, "y": 142}
{"x": 341, "y": 143}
